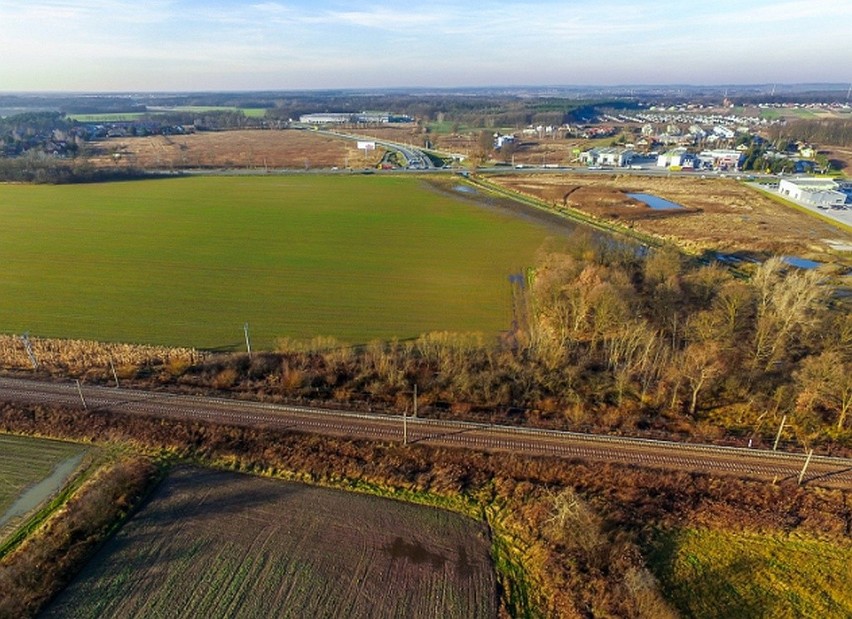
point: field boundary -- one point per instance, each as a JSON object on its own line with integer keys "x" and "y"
{"x": 85, "y": 470}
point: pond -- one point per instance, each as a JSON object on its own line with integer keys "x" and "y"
{"x": 801, "y": 263}
{"x": 464, "y": 189}
{"x": 655, "y": 202}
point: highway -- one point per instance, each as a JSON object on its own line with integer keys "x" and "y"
{"x": 718, "y": 460}
{"x": 416, "y": 159}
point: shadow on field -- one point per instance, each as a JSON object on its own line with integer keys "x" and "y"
{"x": 439, "y": 435}
{"x": 828, "y": 475}
{"x": 701, "y": 589}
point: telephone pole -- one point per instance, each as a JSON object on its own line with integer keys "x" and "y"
{"x": 80, "y": 391}
{"x": 25, "y": 338}
{"x": 248, "y": 341}
{"x": 778, "y": 436}
{"x": 805, "y": 468}
{"x": 114, "y": 375}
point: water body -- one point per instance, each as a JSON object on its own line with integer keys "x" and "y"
{"x": 801, "y": 263}
{"x": 43, "y": 490}
{"x": 655, "y": 202}
{"x": 465, "y": 189}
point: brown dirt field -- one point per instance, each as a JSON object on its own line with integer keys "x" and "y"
{"x": 233, "y": 149}
{"x": 404, "y": 134}
{"x": 220, "y": 544}
{"x": 720, "y": 214}
{"x": 841, "y": 154}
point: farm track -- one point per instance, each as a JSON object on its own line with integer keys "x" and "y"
{"x": 751, "y": 463}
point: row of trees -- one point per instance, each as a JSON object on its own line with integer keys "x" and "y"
{"x": 36, "y": 167}
{"x": 834, "y": 131}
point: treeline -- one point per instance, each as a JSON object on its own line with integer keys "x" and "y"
{"x": 468, "y": 111}
{"x": 211, "y": 120}
{"x": 833, "y": 132}
{"x": 42, "y": 169}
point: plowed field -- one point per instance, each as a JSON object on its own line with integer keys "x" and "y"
{"x": 213, "y": 544}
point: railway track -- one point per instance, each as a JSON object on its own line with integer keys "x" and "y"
{"x": 753, "y": 463}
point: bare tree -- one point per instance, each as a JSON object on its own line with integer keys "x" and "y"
{"x": 825, "y": 382}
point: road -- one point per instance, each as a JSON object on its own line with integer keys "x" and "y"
{"x": 416, "y": 159}
{"x": 752, "y": 463}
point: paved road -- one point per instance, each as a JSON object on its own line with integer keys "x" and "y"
{"x": 760, "y": 464}
{"x": 415, "y": 157}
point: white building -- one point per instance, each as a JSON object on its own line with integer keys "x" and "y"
{"x": 720, "y": 159}
{"x": 325, "y": 118}
{"x": 724, "y": 132}
{"x": 814, "y": 191}
{"x": 500, "y": 140}
{"x": 677, "y": 157}
{"x": 608, "y": 156}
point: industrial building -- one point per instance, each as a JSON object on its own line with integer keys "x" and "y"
{"x": 608, "y": 156}
{"x": 819, "y": 192}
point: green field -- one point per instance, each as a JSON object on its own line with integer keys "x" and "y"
{"x": 720, "y": 575}
{"x": 213, "y": 544}
{"x": 250, "y": 112}
{"x": 113, "y": 117}
{"x": 25, "y": 462}
{"x": 188, "y": 261}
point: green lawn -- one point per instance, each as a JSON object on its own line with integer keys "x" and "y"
{"x": 188, "y": 261}
{"x": 720, "y": 575}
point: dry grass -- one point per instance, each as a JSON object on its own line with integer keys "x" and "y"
{"x": 722, "y": 213}
{"x": 77, "y": 356}
{"x": 234, "y": 149}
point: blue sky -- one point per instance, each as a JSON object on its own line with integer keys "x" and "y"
{"x": 186, "y": 45}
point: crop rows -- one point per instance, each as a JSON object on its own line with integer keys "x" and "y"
{"x": 219, "y": 544}
{"x": 26, "y": 461}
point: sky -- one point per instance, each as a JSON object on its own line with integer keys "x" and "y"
{"x": 202, "y": 45}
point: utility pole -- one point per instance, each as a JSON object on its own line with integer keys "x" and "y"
{"x": 80, "y": 391}
{"x": 778, "y": 436}
{"x": 415, "y": 399}
{"x": 25, "y": 338}
{"x": 248, "y": 340}
{"x": 114, "y": 375}
{"x": 805, "y": 468}
{"x": 404, "y": 428}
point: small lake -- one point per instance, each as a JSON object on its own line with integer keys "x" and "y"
{"x": 801, "y": 263}
{"x": 655, "y": 202}
{"x": 464, "y": 189}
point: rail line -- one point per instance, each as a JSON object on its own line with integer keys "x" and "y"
{"x": 752, "y": 463}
